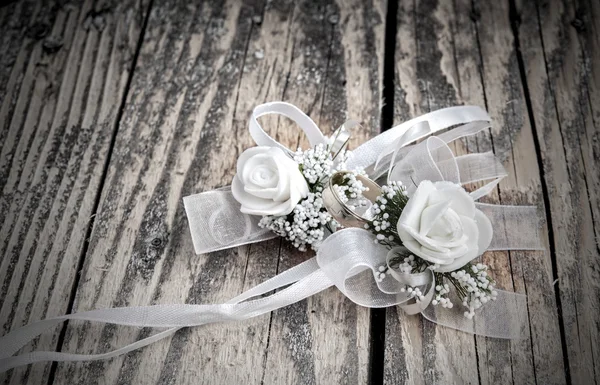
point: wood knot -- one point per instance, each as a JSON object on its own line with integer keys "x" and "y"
{"x": 156, "y": 242}
{"x": 578, "y": 24}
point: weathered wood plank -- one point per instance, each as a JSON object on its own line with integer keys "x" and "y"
{"x": 202, "y": 68}
{"x": 446, "y": 55}
{"x": 513, "y": 141}
{"x": 65, "y": 70}
{"x": 561, "y": 55}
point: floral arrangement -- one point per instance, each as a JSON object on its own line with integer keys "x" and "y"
{"x": 439, "y": 229}
{"x": 287, "y": 190}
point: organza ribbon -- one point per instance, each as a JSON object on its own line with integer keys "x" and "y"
{"x": 348, "y": 259}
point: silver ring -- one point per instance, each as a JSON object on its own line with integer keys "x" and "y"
{"x": 340, "y": 210}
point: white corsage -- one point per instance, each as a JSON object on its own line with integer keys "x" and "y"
{"x": 418, "y": 247}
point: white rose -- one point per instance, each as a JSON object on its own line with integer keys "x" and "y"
{"x": 268, "y": 182}
{"x": 441, "y": 225}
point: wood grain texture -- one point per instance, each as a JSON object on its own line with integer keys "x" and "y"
{"x": 538, "y": 360}
{"x": 562, "y": 59}
{"x": 455, "y": 53}
{"x": 64, "y": 72}
{"x": 201, "y": 70}
{"x": 83, "y": 142}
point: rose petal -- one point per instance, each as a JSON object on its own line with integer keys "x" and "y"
{"x": 299, "y": 184}
{"x": 423, "y": 240}
{"x": 447, "y": 230}
{"x": 411, "y": 214}
{"x": 462, "y": 202}
{"x": 271, "y": 208}
{"x": 285, "y": 168}
{"x": 252, "y": 163}
{"x": 486, "y": 231}
{"x": 249, "y": 153}
{"x": 472, "y": 232}
{"x": 452, "y": 253}
{"x": 416, "y": 249}
{"x": 264, "y": 193}
{"x": 459, "y": 262}
{"x": 241, "y": 195}
{"x": 431, "y": 214}
{"x": 264, "y": 176}
{"x": 253, "y": 205}
{"x": 255, "y": 164}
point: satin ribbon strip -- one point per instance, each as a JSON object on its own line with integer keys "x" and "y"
{"x": 366, "y": 154}
{"x": 170, "y": 316}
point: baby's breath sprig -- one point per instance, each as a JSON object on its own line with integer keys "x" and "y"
{"x": 472, "y": 284}
{"x": 316, "y": 165}
{"x": 350, "y": 189}
{"x": 386, "y": 212}
{"x": 405, "y": 263}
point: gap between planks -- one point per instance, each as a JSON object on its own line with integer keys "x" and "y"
{"x": 378, "y": 316}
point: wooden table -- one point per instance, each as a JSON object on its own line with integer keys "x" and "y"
{"x": 112, "y": 111}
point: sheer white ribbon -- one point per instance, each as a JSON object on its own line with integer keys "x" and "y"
{"x": 348, "y": 259}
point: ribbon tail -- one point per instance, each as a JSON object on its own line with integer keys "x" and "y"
{"x": 34, "y": 357}
{"x": 515, "y": 227}
{"x": 309, "y": 280}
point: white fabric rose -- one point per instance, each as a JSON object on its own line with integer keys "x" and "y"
{"x": 440, "y": 224}
{"x": 268, "y": 182}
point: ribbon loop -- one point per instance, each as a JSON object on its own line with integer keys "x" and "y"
{"x": 430, "y": 160}
{"x": 308, "y": 126}
{"x": 365, "y": 156}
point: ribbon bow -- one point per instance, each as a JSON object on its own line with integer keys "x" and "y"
{"x": 348, "y": 259}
